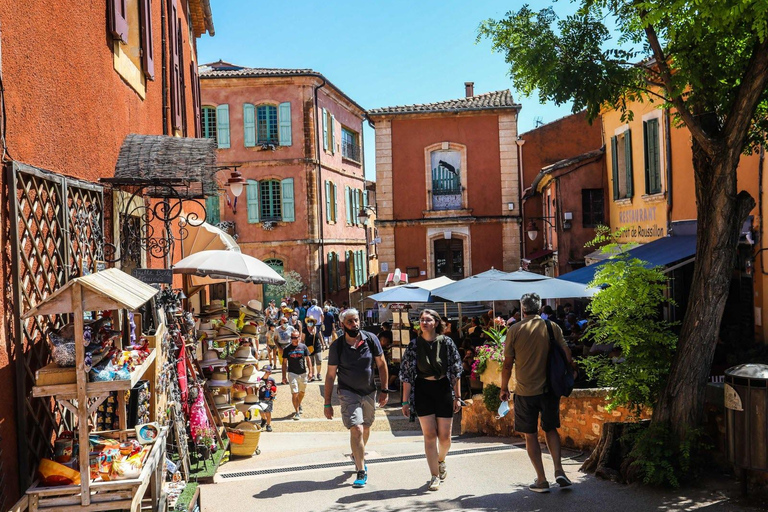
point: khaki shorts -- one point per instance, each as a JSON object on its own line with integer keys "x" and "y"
{"x": 357, "y": 409}
{"x": 297, "y": 381}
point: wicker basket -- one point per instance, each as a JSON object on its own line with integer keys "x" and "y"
{"x": 244, "y": 439}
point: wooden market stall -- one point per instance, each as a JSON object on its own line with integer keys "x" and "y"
{"x": 111, "y": 290}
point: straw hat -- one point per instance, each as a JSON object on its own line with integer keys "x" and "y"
{"x": 235, "y": 372}
{"x": 243, "y": 356}
{"x": 211, "y": 358}
{"x": 250, "y": 402}
{"x": 229, "y": 328}
{"x": 239, "y": 396}
{"x": 221, "y": 402}
{"x": 255, "y": 305}
{"x": 249, "y": 331}
{"x": 250, "y": 375}
{"x": 219, "y": 380}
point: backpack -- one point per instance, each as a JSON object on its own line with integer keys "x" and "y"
{"x": 559, "y": 374}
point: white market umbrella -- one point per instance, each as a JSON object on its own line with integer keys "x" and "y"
{"x": 495, "y": 285}
{"x": 232, "y": 265}
{"x": 200, "y": 236}
{"x": 419, "y": 292}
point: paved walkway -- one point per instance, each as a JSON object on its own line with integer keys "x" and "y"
{"x": 312, "y": 472}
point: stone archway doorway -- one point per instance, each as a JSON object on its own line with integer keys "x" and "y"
{"x": 449, "y": 258}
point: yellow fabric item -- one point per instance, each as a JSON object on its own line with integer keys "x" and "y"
{"x": 52, "y": 473}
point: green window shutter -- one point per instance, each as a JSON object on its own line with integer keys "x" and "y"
{"x": 252, "y": 196}
{"x": 652, "y": 156}
{"x": 337, "y": 271}
{"x": 325, "y": 129}
{"x": 286, "y": 186}
{"x": 249, "y": 125}
{"x": 212, "y": 215}
{"x": 360, "y": 269}
{"x": 333, "y": 135}
{"x": 628, "y": 155}
{"x": 348, "y": 204}
{"x": 222, "y": 125}
{"x": 284, "y": 117}
{"x": 328, "y": 201}
{"x": 646, "y": 158}
{"x": 335, "y": 203}
{"x": 615, "y": 167}
{"x": 331, "y": 278}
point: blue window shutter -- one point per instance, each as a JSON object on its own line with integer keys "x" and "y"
{"x": 212, "y": 215}
{"x": 333, "y": 135}
{"x": 325, "y": 129}
{"x": 348, "y": 205}
{"x": 222, "y": 125}
{"x": 249, "y": 125}
{"x": 328, "y": 201}
{"x": 252, "y": 195}
{"x": 284, "y": 116}
{"x": 286, "y": 186}
{"x": 335, "y": 203}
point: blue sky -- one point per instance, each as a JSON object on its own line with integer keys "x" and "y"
{"x": 380, "y": 53}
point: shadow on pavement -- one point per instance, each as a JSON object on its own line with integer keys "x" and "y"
{"x": 290, "y": 487}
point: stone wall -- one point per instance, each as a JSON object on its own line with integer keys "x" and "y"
{"x": 581, "y": 418}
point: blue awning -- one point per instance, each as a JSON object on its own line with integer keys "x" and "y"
{"x": 659, "y": 253}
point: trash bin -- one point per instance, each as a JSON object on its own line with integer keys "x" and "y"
{"x": 746, "y": 406}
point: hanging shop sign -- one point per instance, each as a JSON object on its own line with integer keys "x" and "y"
{"x": 153, "y": 275}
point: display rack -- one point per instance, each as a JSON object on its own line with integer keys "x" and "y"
{"x": 108, "y": 290}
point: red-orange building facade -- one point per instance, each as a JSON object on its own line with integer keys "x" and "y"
{"x": 564, "y": 194}
{"x": 297, "y": 140}
{"x": 447, "y": 186}
{"x": 76, "y": 80}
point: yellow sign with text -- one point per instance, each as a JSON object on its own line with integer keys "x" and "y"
{"x": 643, "y": 224}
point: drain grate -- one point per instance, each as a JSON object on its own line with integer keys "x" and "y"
{"x": 329, "y": 465}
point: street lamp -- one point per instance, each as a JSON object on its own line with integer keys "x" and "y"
{"x": 236, "y": 182}
{"x": 365, "y": 213}
{"x": 533, "y": 230}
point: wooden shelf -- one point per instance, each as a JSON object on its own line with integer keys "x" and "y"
{"x": 69, "y": 391}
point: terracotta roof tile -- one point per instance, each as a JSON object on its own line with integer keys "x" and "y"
{"x": 486, "y": 101}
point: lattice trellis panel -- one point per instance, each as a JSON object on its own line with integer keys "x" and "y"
{"x": 55, "y": 225}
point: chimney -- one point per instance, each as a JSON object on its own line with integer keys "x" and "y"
{"x": 469, "y": 88}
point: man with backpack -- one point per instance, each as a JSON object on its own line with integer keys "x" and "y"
{"x": 532, "y": 346}
{"x": 352, "y": 357}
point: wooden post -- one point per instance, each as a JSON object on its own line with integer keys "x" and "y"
{"x": 82, "y": 399}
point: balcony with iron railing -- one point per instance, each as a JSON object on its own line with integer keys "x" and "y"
{"x": 350, "y": 150}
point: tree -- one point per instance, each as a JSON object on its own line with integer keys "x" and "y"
{"x": 708, "y": 63}
{"x": 293, "y": 285}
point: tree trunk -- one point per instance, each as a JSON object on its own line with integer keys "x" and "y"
{"x": 721, "y": 213}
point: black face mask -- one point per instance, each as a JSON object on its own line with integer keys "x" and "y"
{"x": 352, "y": 333}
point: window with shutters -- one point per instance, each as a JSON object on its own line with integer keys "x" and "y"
{"x": 129, "y": 24}
{"x": 329, "y": 132}
{"x": 209, "y": 123}
{"x": 271, "y": 207}
{"x": 651, "y": 144}
{"x": 331, "y": 210}
{"x": 621, "y": 156}
{"x": 333, "y": 272}
{"x": 350, "y": 144}
{"x": 212, "y": 213}
{"x": 592, "y": 207}
{"x": 266, "y": 124}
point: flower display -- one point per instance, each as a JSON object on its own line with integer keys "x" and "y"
{"x": 493, "y": 350}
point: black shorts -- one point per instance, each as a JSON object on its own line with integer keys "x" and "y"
{"x": 434, "y": 397}
{"x": 527, "y": 409}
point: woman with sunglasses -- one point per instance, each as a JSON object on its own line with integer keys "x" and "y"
{"x": 430, "y": 372}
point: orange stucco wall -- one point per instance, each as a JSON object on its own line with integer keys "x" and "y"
{"x": 481, "y": 136}
{"x": 68, "y": 111}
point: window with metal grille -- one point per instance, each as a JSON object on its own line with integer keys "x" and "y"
{"x": 270, "y": 200}
{"x": 209, "y": 123}
{"x": 350, "y": 145}
{"x": 592, "y": 207}
{"x": 266, "y": 124}
{"x": 272, "y": 292}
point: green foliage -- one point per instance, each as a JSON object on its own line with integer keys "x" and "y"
{"x": 491, "y": 398}
{"x": 708, "y": 46}
{"x": 493, "y": 350}
{"x": 293, "y": 285}
{"x": 658, "y": 458}
{"x": 627, "y": 314}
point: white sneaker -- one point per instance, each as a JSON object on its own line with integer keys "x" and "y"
{"x": 443, "y": 472}
{"x": 434, "y": 484}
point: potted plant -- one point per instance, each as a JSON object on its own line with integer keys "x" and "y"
{"x": 206, "y": 443}
{"x": 489, "y": 359}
